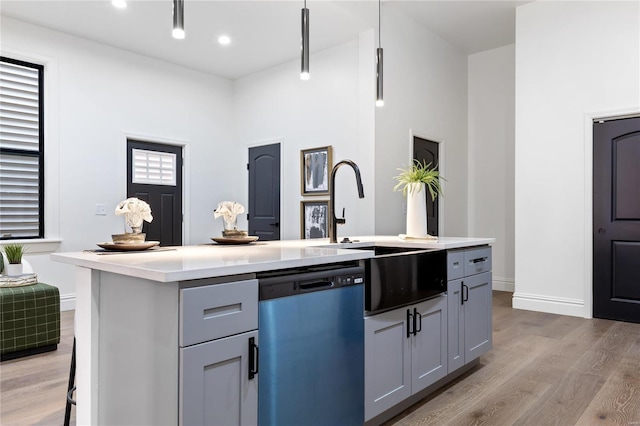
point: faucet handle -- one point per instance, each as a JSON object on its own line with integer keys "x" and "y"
{"x": 341, "y": 220}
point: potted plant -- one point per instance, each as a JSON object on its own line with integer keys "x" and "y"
{"x": 414, "y": 181}
{"x": 14, "y": 253}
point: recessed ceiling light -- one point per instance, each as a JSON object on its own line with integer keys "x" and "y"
{"x": 224, "y": 40}
{"x": 120, "y": 4}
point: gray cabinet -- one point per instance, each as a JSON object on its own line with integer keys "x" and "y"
{"x": 218, "y": 354}
{"x": 405, "y": 351}
{"x": 469, "y": 305}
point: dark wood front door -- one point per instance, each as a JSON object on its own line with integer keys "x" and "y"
{"x": 264, "y": 192}
{"x": 154, "y": 174}
{"x": 427, "y": 151}
{"x": 616, "y": 220}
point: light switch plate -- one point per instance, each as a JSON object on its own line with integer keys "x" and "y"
{"x": 101, "y": 209}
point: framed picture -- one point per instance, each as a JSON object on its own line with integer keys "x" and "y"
{"x": 315, "y": 166}
{"x": 314, "y": 216}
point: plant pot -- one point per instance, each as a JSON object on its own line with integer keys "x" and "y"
{"x": 13, "y": 269}
{"x": 417, "y": 210}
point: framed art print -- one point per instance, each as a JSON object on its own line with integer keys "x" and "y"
{"x": 314, "y": 219}
{"x": 315, "y": 167}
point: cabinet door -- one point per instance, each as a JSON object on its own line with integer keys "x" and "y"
{"x": 477, "y": 315}
{"x": 429, "y": 345}
{"x": 455, "y": 326}
{"x": 215, "y": 388}
{"x": 387, "y": 361}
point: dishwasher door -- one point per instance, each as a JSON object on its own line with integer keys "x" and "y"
{"x": 312, "y": 358}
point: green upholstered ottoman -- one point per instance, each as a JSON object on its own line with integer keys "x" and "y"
{"x": 29, "y": 320}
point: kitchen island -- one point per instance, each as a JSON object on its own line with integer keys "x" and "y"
{"x": 131, "y": 321}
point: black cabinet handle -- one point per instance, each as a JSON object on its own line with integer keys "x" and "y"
{"x": 464, "y": 294}
{"x": 410, "y": 319}
{"x": 253, "y": 358}
{"x": 417, "y": 326}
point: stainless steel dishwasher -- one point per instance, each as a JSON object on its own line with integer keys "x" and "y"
{"x": 311, "y": 334}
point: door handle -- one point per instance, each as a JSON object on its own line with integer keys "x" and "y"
{"x": 464, "y": 294}
{"x": 254, "y": 353}
{"x": 276, "y": 224}
{"x": 410, "y": 319}
{"x": 417, "y": 328}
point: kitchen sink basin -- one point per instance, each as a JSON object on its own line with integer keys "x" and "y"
{"x": 400, "y": 276}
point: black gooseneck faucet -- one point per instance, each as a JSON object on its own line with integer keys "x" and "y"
{"x": 333, "y": 220}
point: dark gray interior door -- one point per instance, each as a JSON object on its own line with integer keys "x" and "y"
{"x": 427, "y": 151}
{"x": 264, "y": 191}
{"x": 151, "y": 177}
{"x": 616, "y": 220}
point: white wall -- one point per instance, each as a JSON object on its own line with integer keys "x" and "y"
{"x": 574, "y": 61}
{"x": 425, "y": 91}
{"x": 492, "y": 157}
{"x": 100, "y": 95}
{"x": 334, "y": 107}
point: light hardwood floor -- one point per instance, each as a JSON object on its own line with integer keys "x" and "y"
{"x": 544, "y": 369}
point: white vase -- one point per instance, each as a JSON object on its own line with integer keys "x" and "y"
{"x": 417, "y": 210}
{"x": 13, "y": 269}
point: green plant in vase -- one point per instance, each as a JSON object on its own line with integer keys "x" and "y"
{"x": 418, "y": 173}
{"x": 14, "y": 253}
{"x": 411, "y": 181}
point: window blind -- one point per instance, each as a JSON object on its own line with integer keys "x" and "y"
{"x": 153, "y": 167}
{"x": 20, "y": 151}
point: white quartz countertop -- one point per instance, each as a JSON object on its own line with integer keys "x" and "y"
{"x": 213, "y": 260}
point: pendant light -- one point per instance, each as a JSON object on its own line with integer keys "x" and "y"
{"x": 379, "y": 97}
{"x": 178, "y": 19}
{"x": 304, "y": 71}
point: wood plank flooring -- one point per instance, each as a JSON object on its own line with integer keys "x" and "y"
{"x": 544, "y": 369}
{"x": 33, "y": 389}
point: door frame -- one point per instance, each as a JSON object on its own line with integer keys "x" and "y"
{"x": 441, "y": 168}
{"x": 589, "y": 119}
{"x": 186, "y": 151}
{"x": 265, "y": 142}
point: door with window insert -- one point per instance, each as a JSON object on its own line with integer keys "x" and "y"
{"x": 154, "y": 174}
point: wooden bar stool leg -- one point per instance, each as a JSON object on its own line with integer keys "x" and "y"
{"x": 71, "y": 387}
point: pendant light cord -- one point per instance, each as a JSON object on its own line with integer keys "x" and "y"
{"x": 379, "y": 23}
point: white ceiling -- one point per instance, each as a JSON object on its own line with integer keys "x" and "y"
{"x": 264, "y": 33}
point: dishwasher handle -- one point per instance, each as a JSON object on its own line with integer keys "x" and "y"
{"x": 315, "y": 285}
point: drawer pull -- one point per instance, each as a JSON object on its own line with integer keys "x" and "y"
{"x": 220, "y": 311}
{"x": 479, "y": 259}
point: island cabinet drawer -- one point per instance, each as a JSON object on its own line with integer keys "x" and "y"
{"x": 455, "y": 265}
{"x": 219, "y": 310}
{"x": 477, "y": 261}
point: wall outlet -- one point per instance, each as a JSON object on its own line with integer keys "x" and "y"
{"x": 101, "y": 209}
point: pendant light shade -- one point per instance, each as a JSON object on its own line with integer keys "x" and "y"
{"x": 379, "y": 59}
{"x": 178, "y": 19}
{"x": 379, "y": 97}
{"x": 304, "y": 70}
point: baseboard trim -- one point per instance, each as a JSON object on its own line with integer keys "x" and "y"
{"x": 552, "y": 305}
{"x": 504, "y": 284}
{"x": 68, "y": 302}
